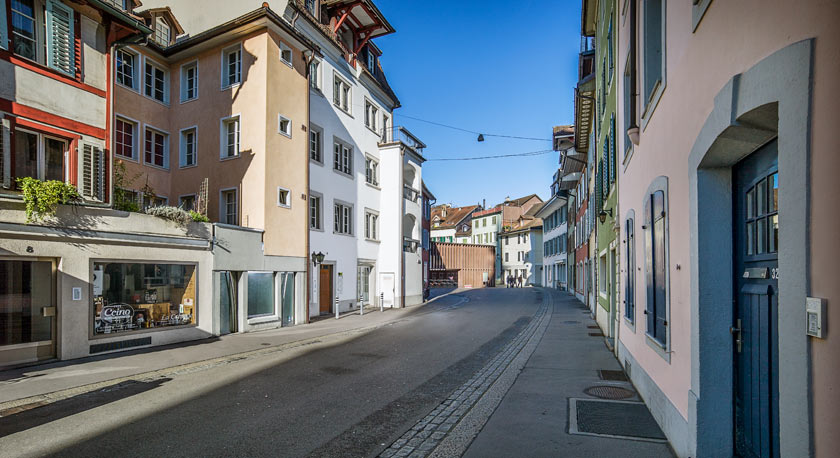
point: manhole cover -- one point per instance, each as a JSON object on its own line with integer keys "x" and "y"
{"x": 617, "y": 376}
{"x": 609, "y": 392}
{"x": 571, "y": 322}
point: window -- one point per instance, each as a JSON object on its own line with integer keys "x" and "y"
{"x": 484, "y": 223}
{"x": 231, "y": 66}
{"x": 188, "y": 156}
{"x": 519, "y": 256}
{"x": 342, "y": 158}
{"x": 371, "y": 115}
{"x": 630, "y": 269}
{"x": 284, "y": 197}
{"x": 44, "y": 35}
{"x": 371, "y": 171}
{"x": 343, "y": 221}
{"x": 610, "y": 50}
{"x": 310, "y": 6}
{"x": 371, "y": 225}
{"x": 315, "y": 143}
{"x": 507, "y": 240}
{"x": 341, "y": 93}
{"x": 189, "y": 81}
{"x": 494, "y": 220}
{"x": 507, "y": 257}
{"x": 284, "y": 126}
{"x": 155, "y": 82}
{"x": 386, "y": 128}
{"x": 125, "y": 136}
{"x": 229, "y": 207}
{"x": 163, "y": 34}
{"x": 315, "y": 74}
{"x": 38, "y": 156}
{"x": 260, "y": 294}
{"x": 229, "y": 137}
{"x": 653, "y": 47}
{"x": 315, "y": 212}
{"x": 187, "y": 202}
{"x": 138, "y": 296}
{"x": 156, "y": 148}
{"x": 285, "y": 53}
{"x": 126, "y": 63}
{"x": 151, "y": 200}
{"x": 656, "y": 262}
{"x": 363, "y": 284}
{"x": 627, "y": 96}
{"x": 602, "y": 275}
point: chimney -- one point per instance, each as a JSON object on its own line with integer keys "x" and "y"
{"x": 443, "y": 212}
{"x": 483, "y": 204}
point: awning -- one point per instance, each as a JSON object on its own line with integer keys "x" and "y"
{"x": 584, "y": 112}
{"x": 571, "y": 161}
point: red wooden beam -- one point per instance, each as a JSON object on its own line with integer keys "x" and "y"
{"x": 362, "y": 44}
{"x": 347, "y": 9}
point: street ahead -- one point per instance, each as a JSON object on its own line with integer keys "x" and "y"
{"x": 347, "y": 397}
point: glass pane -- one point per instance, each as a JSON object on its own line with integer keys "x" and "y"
{"x": 750, "y": 238}
{"x": 761, "y": 197}
{"x": 55, "y": 159}
{"x": 132, "y": 296}
{"x": 26, "y": 155}
{"x": 260, "y": 293}
{"x": 774, "y": 192}
{"x": 774, "y": 234}
{"x": 25, "y": 288}
{"x": 287, "y": 295}
{"x": 225, "y": 302}
{"x": 762, "y": 236}
{"x": 751, "y": 203}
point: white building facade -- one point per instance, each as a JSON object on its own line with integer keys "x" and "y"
{"x": 554, "y": 214}
{"x": 522, "y": 254}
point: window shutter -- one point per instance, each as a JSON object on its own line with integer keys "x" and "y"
{"x": 60, "y": 38}
{"x": 650, "y": 311}
{"x": 4, "y": 29}
{"x": 612, "y": 148}
{"x": 93, "y": 172}
{"x": 5, "y": 154}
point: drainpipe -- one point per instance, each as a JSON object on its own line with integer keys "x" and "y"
{"x": 309, "y": 271}
{"x": 633, "y": 130}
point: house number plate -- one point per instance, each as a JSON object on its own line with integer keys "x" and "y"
{"x": 756, "y": 272}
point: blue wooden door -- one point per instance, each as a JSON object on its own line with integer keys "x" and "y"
{"x": 756, "y": 195}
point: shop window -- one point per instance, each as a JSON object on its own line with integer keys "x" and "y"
{"x": 139, "y": 296}
{"x": 260, "y": 294}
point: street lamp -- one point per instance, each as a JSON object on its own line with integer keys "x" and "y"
{"x": 317, "y": 258}
{"x": 603, "y": 215}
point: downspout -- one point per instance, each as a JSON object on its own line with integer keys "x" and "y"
{"x": 633, "y": 130}
{"x": 309, "y": 272}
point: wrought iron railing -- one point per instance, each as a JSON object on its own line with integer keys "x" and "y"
{"x": 402, "y": 135}
{"x": 411, "y": 193}
{"x": 410, "y": 245}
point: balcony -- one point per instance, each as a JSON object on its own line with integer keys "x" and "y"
{"x": 410, "y": 245}
{"x": 402, "y": 135}
{"x": 411, "y": 194}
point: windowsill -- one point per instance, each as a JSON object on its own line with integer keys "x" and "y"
{"x": 288, "y": 64}
{"x": 657, "y": 346}
{"x": 154, "y": 166}
{"x": 343, "y": 110}
{"x": 230, "y": 158}
{"x": 342, "y": 233}
{"x": 164, "y": 103}
{"x": 126, "y": 158}
{"x": 132, "y": 89}
{"x": 630, "y": 324}
{"x": 652, "y": 103}
{"x": 320, "y": 163}
{"x": 230, "y": 86}
{"x": 628, "y": 154}
{"x": 285, "y": 134}
{"x": 372, "y": 240}
{"x": 315, "y": 229}
{"x": 374, "y": 186}
{"x": 373, "y": 129}
{"x": 345, "y": 175}
{"x": 189, "y": 100}
{"x": 181, "y": 167}
{"x": 263, "y": 319}
{"x": 284, "y": 205}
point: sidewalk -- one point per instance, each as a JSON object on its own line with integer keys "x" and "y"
{"x": 533, "y": 417}
{"x": 52, "y": 381}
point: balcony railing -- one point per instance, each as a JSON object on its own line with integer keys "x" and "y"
{"x": 411, "y": 193}
{"x": 402, "y": 135}
{"x": 410, "y": 245}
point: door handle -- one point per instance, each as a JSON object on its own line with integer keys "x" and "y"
{"x": 736, "y": 331}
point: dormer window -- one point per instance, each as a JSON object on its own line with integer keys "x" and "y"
{"x": 163, "y": 33}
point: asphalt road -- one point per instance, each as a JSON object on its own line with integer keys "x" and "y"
{"x": 348, "y": 397}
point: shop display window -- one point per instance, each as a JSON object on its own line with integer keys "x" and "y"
{"x": 140, "y": 296}
{"x": 260, "y": 294}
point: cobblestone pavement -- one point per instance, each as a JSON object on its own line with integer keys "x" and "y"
{"x": 432, "y": 430}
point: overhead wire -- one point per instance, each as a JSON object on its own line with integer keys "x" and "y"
{"x": 499, "y": 156}
{"x": 435, "y": 123}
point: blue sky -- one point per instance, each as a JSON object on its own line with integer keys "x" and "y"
{"x": 498, "y": 67}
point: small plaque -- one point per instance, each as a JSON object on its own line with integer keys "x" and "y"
{"x": 77, "y": 293}
{"x": 755, "y": 272}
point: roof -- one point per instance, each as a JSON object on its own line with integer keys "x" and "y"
{"x": 454, "y": 215}
{"x": 532, "y": 212}
{"x": 426, "y": 191}
{"x": 489, "y": 211}
{"x": 564, "y": 130}
{"x": 523, "y": 200}
{"x": 463, "y": 230}
{"x": 166, "y": 12}
{"x": 524, "y": 224}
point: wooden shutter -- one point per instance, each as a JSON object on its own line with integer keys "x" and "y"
{"x": 60, "y": 37}
{"x": 92, "y": 172}
{"x": 659, "y": 266}
{"x": 5, "y": 154}
{"x": 650, "y": 311}
{"x": 613, "y": 156}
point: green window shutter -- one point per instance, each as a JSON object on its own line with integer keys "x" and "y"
{"x": 4, "y": 29}
{"x": 61, "y": 53}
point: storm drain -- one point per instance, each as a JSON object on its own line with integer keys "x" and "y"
{"x": 596, "y": 334}
{"x": 593, "y": 326}
{"x": 615, "y": 376}
{"x": 620, "y": 419}
{"x": 609, "y": 392}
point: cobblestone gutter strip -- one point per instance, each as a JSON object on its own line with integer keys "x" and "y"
{"x": 450, "y": 428}
{"x": 9, "y": 408}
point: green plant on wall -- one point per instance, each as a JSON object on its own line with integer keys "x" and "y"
{"x": 124, "y": 199}
{"x": 42, "y": 198}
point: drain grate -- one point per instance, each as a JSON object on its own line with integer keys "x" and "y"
{"x": 616, "y": 376}
{"x": 613, "y": 419}
{"x": 596, "y": 334}
{"x": 593, "y": 326}
{"x": 609, "y": 392}
{"x": 571, "y": 322}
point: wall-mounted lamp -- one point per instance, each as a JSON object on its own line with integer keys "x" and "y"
{"x": 603, "y": 215}
{"x": 317, "y": 258}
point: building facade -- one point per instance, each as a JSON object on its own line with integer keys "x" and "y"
{"x": 522, "y": 256}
